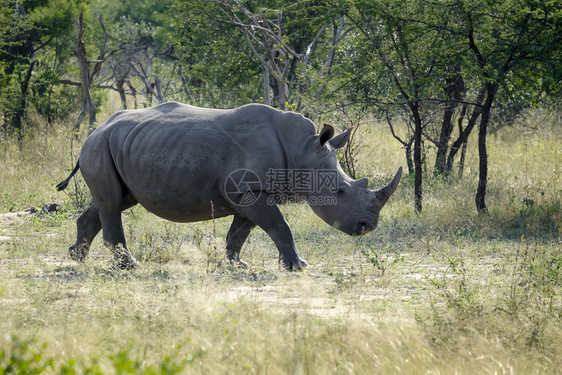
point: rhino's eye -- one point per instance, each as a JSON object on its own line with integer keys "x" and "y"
{"x": 342, "y": 189}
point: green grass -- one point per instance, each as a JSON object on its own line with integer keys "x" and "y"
{"x": 443, "y": 292}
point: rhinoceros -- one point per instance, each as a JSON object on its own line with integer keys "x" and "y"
{"x": 187, "y": 164}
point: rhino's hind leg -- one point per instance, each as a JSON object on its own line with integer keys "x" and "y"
{"x": 114, "y": 239}
{"x": 88, "y": 225}
{"x": 237, "y": 234}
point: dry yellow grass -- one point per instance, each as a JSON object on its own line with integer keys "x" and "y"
{"x": 466, "y": 294}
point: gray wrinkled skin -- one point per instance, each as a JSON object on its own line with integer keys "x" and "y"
{"x": 175, "y": 159}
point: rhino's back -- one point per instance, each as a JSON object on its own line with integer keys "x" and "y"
{"x": 174, "y": 137}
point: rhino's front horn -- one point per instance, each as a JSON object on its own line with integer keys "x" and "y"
{"x": 382, "y": 195}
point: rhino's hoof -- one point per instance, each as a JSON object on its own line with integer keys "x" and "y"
{"x": 127, "y": 264}
{"x": 124, "y": 259}
{"x": 235, "y": 264}
{"x": 78, "y": 253}
{"x": 235, "y": 261}
{"x": 294, "y": 264}
{"x": 239, "y": 264}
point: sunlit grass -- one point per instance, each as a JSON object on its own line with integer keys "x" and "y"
{"x": 441, "y": 292}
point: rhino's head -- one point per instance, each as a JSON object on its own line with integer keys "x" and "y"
{"x": 346, "y": 204}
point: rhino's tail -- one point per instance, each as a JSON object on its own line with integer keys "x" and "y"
{"x": 64, "y": 184}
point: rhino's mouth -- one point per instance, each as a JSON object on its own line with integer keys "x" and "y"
{"x": 358, "y": 228}
{"x": 367, "y": 224}
{"x": 363, "y": 227}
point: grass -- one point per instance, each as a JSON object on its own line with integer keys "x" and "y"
{"x": 443, "y": 292}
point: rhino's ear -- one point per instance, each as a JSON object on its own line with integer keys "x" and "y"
{"x": 325, "y": 135}
{"x": 341, "y": 139}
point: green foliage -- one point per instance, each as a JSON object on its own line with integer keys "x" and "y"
{"x": 33, "y": 58}
{"x": 523, "y": 309}
{"x": 384, "y": 258}
{"x": 213, "y": 56}
{"x": 535, "y": 291}
{"x": 23, "y": 358}
{"x": 26, "y": 357}
{"x": 52, "y": 100}
{"x": 54, "y": 219}
{"x": 462, "y": 306}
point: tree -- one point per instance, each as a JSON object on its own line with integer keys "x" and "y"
{"x": 87, "y": 76}
{"x": 451, "y": 57}
{"x": 276, "y": 38}
{"x": 215, "y": 65}
{"x": 399, "y": 59}
{"x": 510, "y": 44}
{"x": 31, "y": 28}
{"x": 142, "y": 50}
{"x": 264, "y": 36}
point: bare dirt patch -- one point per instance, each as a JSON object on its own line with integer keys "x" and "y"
{"x": 10, "y": 219}
{"x": 275, "y": 297}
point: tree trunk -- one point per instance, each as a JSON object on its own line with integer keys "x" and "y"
{"x": 121, "y": 90}
{"x": 16, "y": 120}
{"x": 148, "y": 88}
{"x": 491, "y": 89}
{"x": 266, "y": 86}
{"x": 85, "y": 73}
{"x": 409, "y": 160}
{"x": 133, "y": 93}
{"x": 464, "y": 134}
{"x": 283, "y": 95}
{"x": 454, "y": 92}
{"x": 81, "y": 116}
{"x": 158, "y": 87}
{"x": 440, "y": 166}
{"x": 418, "y": 163}
{"x": 461, "y": 161}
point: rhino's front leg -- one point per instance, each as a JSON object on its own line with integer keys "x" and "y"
{"x": 269, "y": 218}
{"x": 237, "y": 234}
